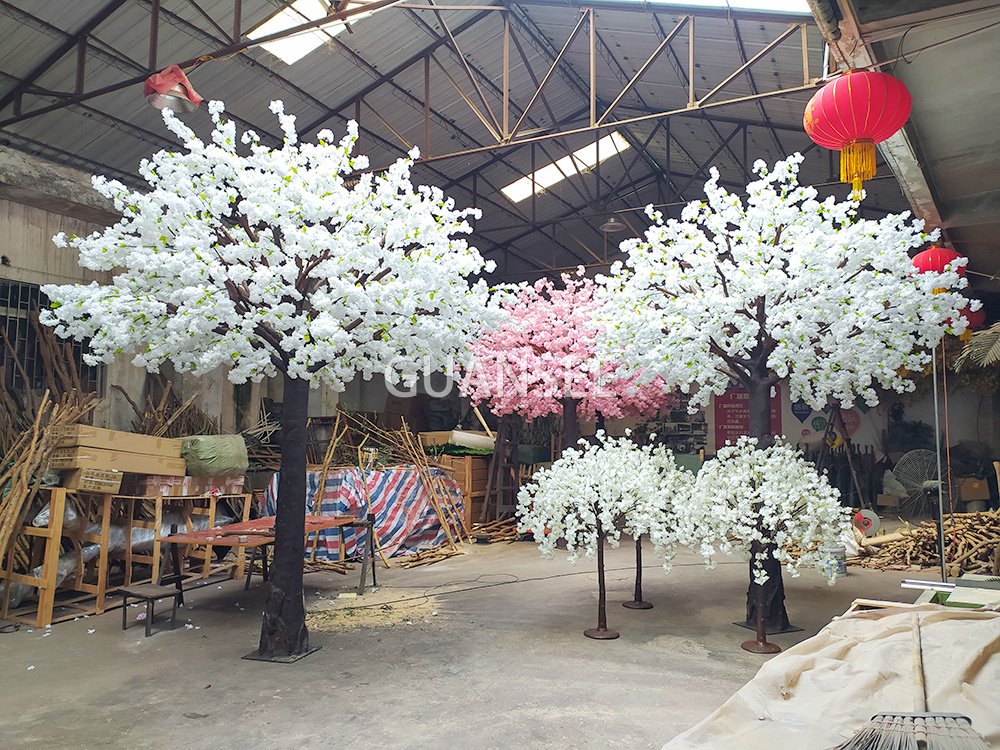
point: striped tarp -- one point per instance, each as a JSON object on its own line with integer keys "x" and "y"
{"x": 405, "y": 521}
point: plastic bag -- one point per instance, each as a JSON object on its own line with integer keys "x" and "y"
{"x": 215, "y": 455}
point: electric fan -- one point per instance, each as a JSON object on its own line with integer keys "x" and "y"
{"x": 917, "y": 472}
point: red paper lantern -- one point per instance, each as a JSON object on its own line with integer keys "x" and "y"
{"x": 854, "y": 112}
{"x": 976, "y": 318}
{"x": 936, "y": 259}
{"x": 973, "y": 320}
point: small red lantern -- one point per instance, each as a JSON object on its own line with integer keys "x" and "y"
{"x": 975, "y": 318}
{"x": 854, "y": 112}
{"x": 937, "y": 259}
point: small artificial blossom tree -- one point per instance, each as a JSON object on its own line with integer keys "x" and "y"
{"x": 750, "y": 291}
{"x": 266, "y": 262}
{"x": 542, "y": 361}
{"x": 762, "y": 501}
{"x": 593, "y": 493}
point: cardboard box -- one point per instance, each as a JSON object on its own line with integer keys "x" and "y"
{"x": 435, "y": 438}
{"x": 888, "y": 501}
{"x": 405, "y": 406}
{"x": 167, "y": 486}
{"x": 93, "y": 480}
{"x": 973, "y": 489}
{"x": 113, "y": 440}
{"x": 84, "y": 457}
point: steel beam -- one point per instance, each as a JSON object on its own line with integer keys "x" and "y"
{"x": 59, "y": 52}
{"x": 548, "y": 76}
{"x": 472, "y": 79}
{"x": 745, "y": 66}
{"x": 645, "y": 66}
{"x": 809, "y": 88}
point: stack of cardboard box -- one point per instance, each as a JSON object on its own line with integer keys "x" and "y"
{"x": 95, "y": 460}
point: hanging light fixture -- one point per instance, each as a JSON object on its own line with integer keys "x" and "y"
{"x": 171, "y": 89}
{"x": 613, "y": 225}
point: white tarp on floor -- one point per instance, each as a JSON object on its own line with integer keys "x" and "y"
{"x": 820, "y": 692}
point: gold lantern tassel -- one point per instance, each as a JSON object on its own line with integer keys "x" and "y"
{"x": 857, "y": 163}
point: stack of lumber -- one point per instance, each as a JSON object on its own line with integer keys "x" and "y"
{"x": 972, "y": 545}
{"x": 504, "y": 530}
{"x": 406, "y": 445}
{"x": 332, "y": 565}
{"x": 168, "y": 416}
{"x": 425, "y": 557}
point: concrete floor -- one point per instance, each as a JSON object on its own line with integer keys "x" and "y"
{"x": 503, "y": 664}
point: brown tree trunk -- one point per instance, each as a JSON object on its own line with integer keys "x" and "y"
{"x": 571, "y": 423}
{"x": 773, "y": 593}
{"x": 601, "y": 632}
{"x": 283, "y": 632}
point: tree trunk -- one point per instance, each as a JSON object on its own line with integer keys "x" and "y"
{"x": 283, "y": 632}
{"x": 637, "y": 602}
{"x": 773, "y": 594}
{"x": 759, "y": 411}
{"x": 571, "y": 424}
{"x": 601, "y": 632}
{"x": 760, "y": 645}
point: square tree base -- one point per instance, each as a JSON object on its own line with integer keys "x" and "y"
{"x": 255, "y": 656}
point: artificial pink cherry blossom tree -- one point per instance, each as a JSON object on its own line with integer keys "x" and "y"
{"x": 542, "y": 361}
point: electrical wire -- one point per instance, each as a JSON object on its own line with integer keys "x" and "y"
{"x": 515, "y": 579}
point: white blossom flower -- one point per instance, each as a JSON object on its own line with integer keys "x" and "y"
{"x": 828, "y": 300}
{"x": 771, "y": 496}
{"x": 613, "y": 482}
{"x": 267, "y": 260}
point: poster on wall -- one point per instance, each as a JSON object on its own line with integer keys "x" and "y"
{"x": 732, "y": 415}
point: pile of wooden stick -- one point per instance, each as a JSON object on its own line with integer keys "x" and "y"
{"x": 407, "y": 445}
{"x": 62, "y": 378}
{"x": 972, "y": 545}
{"x": 28, "y": 459}
{"x": 427, "y": 556}
{"x": 504, "y": 530}
{"x": 168, "y": 416}
{"x": 335, "y": 566}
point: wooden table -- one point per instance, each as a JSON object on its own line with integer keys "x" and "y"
{"x": 259, "y": 533}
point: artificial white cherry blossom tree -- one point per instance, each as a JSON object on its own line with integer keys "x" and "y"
{"x": 268, "y": 261}
{"x": 777, "y": 284}
{"x": 595, "y": 492}
{"x": 762, "y": 502}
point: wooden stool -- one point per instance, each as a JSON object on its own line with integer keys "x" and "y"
{"x": 149, "y": 592}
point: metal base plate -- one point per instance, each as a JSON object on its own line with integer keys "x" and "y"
{"x": 601, "y": 634}
{"x": 760, "y": 647}
{"x": 255, "y": 656}
{"x": 789, "y": 629}
{"x": 637, "y": 605}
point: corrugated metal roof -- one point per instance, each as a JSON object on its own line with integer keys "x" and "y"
{"x": 381, "y": 65}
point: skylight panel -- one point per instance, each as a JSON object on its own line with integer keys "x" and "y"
{"x": 582, "y": 159}
{"x": 292, "y": 49}
{"x": 784, "y": 6}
